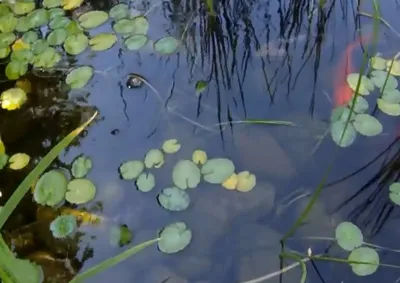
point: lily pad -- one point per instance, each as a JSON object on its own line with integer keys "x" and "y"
{"x": 348, "y": 236}
{"x": 23, "y": 24}
{"x": 231, "y": 183}
{"x": 38, "y": 18}
{"x": 367, "y": 125}
{"x": 52, "y": 3}
{"x": 337, "y": 130}
{"x": 394, "y": 193}
{"x": 48, "y": 59}
{"x": 73, "y": 28}
{"x": 395, "y": 70}
{"x": 50, "y": 188}
{"x": 186, "y": 174}
{"x": 81, "y": 166}
{"x": 171, "y": 146}
{"x": 76, "y": 44}
{"x": 63, "y": 226}
{"x": 166, "y": 46}
{"x": 55, "y": 13}
{"x": 135, "y": 42}
{"x": 8, "y": 23}
{"x": 102, "y": 41}
{"x": 145, "y": 182}
{"x": 120, "y": 235}
{"x": 57, "y": 37}
{"x": 3, "y": 160}
{"x": 22, "y": 55}
{"x": 367, "y": 255}
{"x": 154, "y": 158}
{"x": 199, "y": 157}
{"x": 217, "y": 170}
{"x": 16, "y": 69}
{"x": 361, "y": 104}
{"x": 391, "y": 96}
{"x": 4, "y": 52}
{"x": 366, "y": 85}
{"x": 391, "y": 109}
{"x": 4, "y": 9}
{"x": 379, "y": 79}
{"x": 71, "y": 4}
{"x": 18, "y": 161}
{"x": 174, "y": 199}
{"x": 174, "y": 238}
{"x": 6, "y": 39}
{"x": 245, "y": 181}
{"x": 119, "y": 11}
{"x": 39, "y": 46}
{"x": 23, "y": 7}
{"x": 378, "y": 63}
{"x": 92, "y": 19}
{"x": 137, "y": 25}
{"x": 59, "y": 22}
{"x": 131, "y": 169}
{"x": 80, "y": 191}
{"x": 79, "y": 77}
{"x": 13, "y": 98}
{"x": 30, "y": 37}
{"x": 201, "y": 86}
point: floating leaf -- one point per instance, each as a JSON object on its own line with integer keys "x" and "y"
{"x": 131, "y": 169}
{"x": 135, "y": 42}
{"x": 201, "y": 86}
{"x": 137, "y": 25}
{"x": 395, "y": 70}
{"x": 394, "y": 193}
{"x": 348, "y": 236}
{"x": 361, "y": 104}
{"x": 55, "y": 13}
{"x": 366, "y": 86}
{"x": 174, "y": 199}
{"x": 379, "y": 79}
{"x": 59, "y": 22}
{"x": 52, "y": 3}
{"x": 8, "y": 23}
{"x": 337, "y": 130}
{"x": 231, "y": 183}
{"x": 6, "y": 39}
{"x": 63, "y": 226}
{"x": 39, "y": 46}
{"x": 392, "y": 109}
{"x": 13, "y": 98}
{"x": 378, "y": 63}
{"x": 3, "y": 160}
{"x": 199, "y": 157}
{"x": 166, "y": 45}
{"x": 245, "y": 181}
{"x": 171, "y": 146}
{"x": 57, "y": 37}
{"x": 102, "y": 41}
{"x": 48, "y": 59}
{"x": 38, "y": 18}
{"x": 19, "y": 44}
{"x": 50, "y": 188}
{"x": 73, "y": 28}
{"x": 2, "y": 147}
{"x": 30, "y": 37}
{"x": 391, "y": 96}
{"x": 18, "y": 161}
{"x": 23, "y": 55}
{"x": 81, "y": 166}
{"x": 4, "y": 9}
{"x": 186, "y": 174}
{"x": 71, "y": 4}
{"x": 92, "y": 19}
{"x": 4, "y": 52}
{"x": 217, "y": 170}
{"x": 80, "y": 191}
{"x": 367, "y": 125}
{"x": 23, "y": 24}
{"x": 79, "y": 77}
{"x": 23, "y": 7}
{"x": 76, "y": 44}
{"x": 145, "y": 182}
{"x": 174, "y": 238}
{"x": 119, "y": 11}
{"x": 120, "y": 235}
{"x": 154, "y": 158}
{"x": 364, "y": 254}
{"x": 16, "y": 69}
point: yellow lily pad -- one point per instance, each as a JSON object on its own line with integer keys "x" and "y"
{"x": 246, "y": 181}
{"x": 13, "y": 98}
{"x": 395, "y": 71}
{"x": 171, "y": 146}
{"x": 231, "y": 183}
{"x": 199, "y": 157}
{"x": 18, "y": 161}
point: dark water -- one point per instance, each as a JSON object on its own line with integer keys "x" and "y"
{"x": 235, "y": 235}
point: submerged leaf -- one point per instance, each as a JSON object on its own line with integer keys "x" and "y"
{"x": 145, "y": 182}
{"x": 201, "y": 86}
{"x": 337, "y": 130}
{"x": 13, "y": 98}
{"x": 79, "y": 77}
{"x": 63, "y": 226}
{"x": 199, "y": 157}
{"x": 131, "y": 169}
{"x": 18, "y": 161}
{"x": 81, "y": 166}
{"x": 174, "y": 238}
{"x": 366, "y": 86}
{"x": 80, "y": 191}
{"x": 93, "y": 19}
{"x": 392, "y": 109}
{"x": 186, "y": 174}
{"x": 348, "y": 236}
{"x": 166, "y": 45}
{"x": 154, "y": 158}
{"x": 174, "y": 199}
{"x": 367, "y": 125}
{"x": 50, "y": 188}
{"x": 171, "y": 146}
{"x": 120, "y": 235}
{"x": 394, "y": 193}
{"x": 217, "y": 170}
{"x": 364, "y": 254}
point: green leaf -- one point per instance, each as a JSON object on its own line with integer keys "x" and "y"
{"x": 3, "y": 160}
{"x": 366, "y": 86}
{"x": 378, "y": 63}
{"x": 30, "y": 37}
{"x": 137, "y": 25}
{"x": 120, "y": 235}
{"x": 79, "y": 77}
{"x": 201, "y": 86}
{"x": 76, "y": 44}
{"x": 394, "y": 193}
{"x": 379, "y": 78}
{"x": 13, "y": 98}
{"x": 63, "y": 226}
{"x": 217, "y": 170}
{"x": 39, "y": 46}
{"x": 392, "y": 109}
{"x": 50, "y": 188}
{"x": 18, "y": 161}
{"x": 186, "y": 174}
{"x": 367, "y": 125}
{"x": 119, "y": 11}
{"x": 32, "y": 273}
{"x": 59, "y": 22}
{"x": 57, "y": 37}
{"x": 48, "y": 59}
{"x": 80, "y": 191}
{"x": 102, "y": 41}
{"x": 245, "y": 181}
{"x": 52, "y": 3}
{"x": 92, "y": 19}
{"x": 4, "y": 9}
{"x": 395, "y": 70}
{"x": 4, "y": 52}
{"x": 348, "y": 236}
{"x": 174, "y": 238}
{"x": 364, "y": 254}
{"x": 55, "y": 13}
{"x": 8, "y": 23}
{"x": 135, "y": 42}
{"x": 130, "y": 170}
{"x": 22, "y": 55}
{"x": 174, "y": 199}
{"x": 361, "y": 105}
{"x": 23, "y": 7}
{"x": 154, "y": 158}
{"x": 166, "y": 45}
{"x": 73, "y": 28}
{"x": 337, "y": 130}
{"x": 391, "y": 95}
{"x": 16, "y": 69}
{"x": 145, "y": 182}
{"x": 23, "y": 24}
{"x": 171, "y": 146}
{"x": 81, "y": 166}
{"x": 38, "y": 18}
{"x": 6, "y": 39}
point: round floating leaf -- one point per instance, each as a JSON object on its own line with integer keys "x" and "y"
{"x": 145, "y": 182}
{"x": 394, "y": 193}
{"x": 23, "y": 24}
{"x": 48, "y": 59}
{"x": 79, "y": 77}
{"x": 174, "y": 238}
{"x": 50, "y": 188}
{"x": 80, "y": 191}
{"x": 57, "y": 37}
{"x": 131, "y": 169}
{"x": 76, "y": 44}
{"x": 201, "y": 86}
{"x": 23, "y": 7}
{"x": 59, "y": 22}
{"x": 38, "y": 18}
{"x": 63, "y": 226}
{"x": 55, "y": 13}
{"x": 174, "y": 199}
{"x": 391, "y": 96}
{"x": 4, "y": 52}
{"x": 137, "y": 25}
{"x": 4, "y": 9}
{"x": 217, "y": 170}
{"x": 337, "y": 130}
{"x": 154, "y": 158}
{"x": 366, "y": 86}
{"x": 367, "y": 125}
{"x": 13, "y": 98}
{"x": 102, "y": 41}
{"x": 171, "y": 146}
{"x": 39, "y": 46}
{"x": 6, "y": 39}
{"x": 378, "y": 63}
{"x": 93, "y": 19}
{"x": 52, "y": 3}
{"x": 119, "y": 11}
{"x": 71, "y": 4}
{"x": 123, "y": 26}
{"x": 186, "y": 174}
{"x": 30, "y": 37}
{"x": 16, "y": 69}
{"x": 392, "y": 109}
{"x": 245, "y": 181}
{"x": 395, "y": 70}
{"x": 18, "y": 161}
{"x": 135, "y": 42}
{"x": 199, "y": 157}
{"x": 81, "y": 166}
{"x": 3, "y": 160}
{"x": 348, "y": 236}
{"x": 367, "y": 255}
{"x": 379, "y": 79}
{"x": 120, "y": 235}
{"x": 73, "y": 28}
{"x": 231, "y": 183}
{"x": 8, "y": 23}
{"x": 22, "y": 55}
{"x": 361, "y": 104}
{"x": 166, "y": 45}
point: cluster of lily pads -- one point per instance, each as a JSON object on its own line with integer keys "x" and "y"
{"x": 382, "y": 76}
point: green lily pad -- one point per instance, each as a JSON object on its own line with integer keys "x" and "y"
{"x": 57, "y": 37}
{"x": 171, "y": 146}
{"x": 22, "y": 55}
{"x": 16, "y": 69}
{"x": 137, "y": 25}
{"x": 174, "y": 238}
{"x": 73, "y": 28}
{"x": 52, "y": 3}
{"x": 38, "y": 18}
{"x": 92, "y": 19}
{"x": 48, "y": 59}
{"x": 367, "y": 125}
{"x": 378, "y": 63}
{"x": 217, "y": 170}
{"x": 120, "y": 236}
{"x": 166, "y": 45}
{"x": 174, "y": 199}
{"x": 55, "y": 13}
{"x": 201, "y": 86}
{"x": 186, "y": 174}
{"x": 154, "y": 158}
{"x": 394, "y": 193}
{"x": 4, "y": 9}
{"x": 80, "y": 191}
{"x": 79, "y": 77}
{"x": 6, "y": 39}
{"x": 102, "y": 41}
{"x": 50, "y": 188}
{"x": 379, "y": 78}
{"x": 391, "y": 109}
{"x": 32, "y": 272}
{"x": 30, "y": 37}
{"x": 361, "y": 104}
{"x": 131, "y": 169}
{"x": 8, "y": 23}
{"x": 81, "y": 166}
{"x": 18, "y": 161}
{"x": 23, "y": 7}
{"x": 13, "y": 98}
{"x": 119, "y": 11}
{"x": 395, "y": 68}
{"x": 367, "y": 255}
{"x": 59, "y": 22}
{"x": 348, "y": 236}
{"x": 39, "y": 46}
{"x": 366, "y": 85}
{"x": 135, "y": 42}
{"x": 63, "y": 226}
{"x": 4, "y": 52}
{"x": 3, "y": 160}
{"x": 23, "y": 24}
{"x": 76, "y": 44}
{"x": 337, "y": 130}
{"x": 145, "y": 182}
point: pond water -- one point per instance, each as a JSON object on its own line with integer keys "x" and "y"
{"x": 271, "y": 60}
